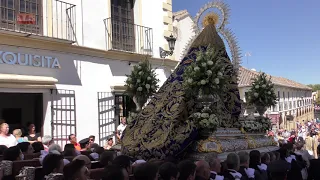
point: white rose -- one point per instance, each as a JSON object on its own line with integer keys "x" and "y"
{"x": 197, "y": 114}
{"x": 257, "y": 86}
{"x": 196, "y": 68}
{"x": 139, "y": 88}
{"x": 140, "y": 73}
{"x": 131, "y": 86}
{"x": 209, "y": 72}
{"x": 140, "y": 63}
{"x": 216, "y": 80}
{"x": 153, "y": 87}
{"x": 264, "y": 86}
{"x": 203, "y": 82}
{"x": 139, "y": 67}
{"x": 148, "y": 78}
{"x": 129, "y": 79}
{"x": 269, "y": 92}
{"x": 148, "y": 86}
{"x": 204, "y": 115}
{"x": 190, "y": 80}
{"x": 138, "y": 80}
{"x": 220, "y": 74}
{"x": 209, "y": 63}
{"x": 203, "y": 64}
{"x": 256, "y": 94}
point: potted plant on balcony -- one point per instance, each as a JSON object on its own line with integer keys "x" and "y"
{"x": 261, "y": 93}
{"x": 141, "y": 83}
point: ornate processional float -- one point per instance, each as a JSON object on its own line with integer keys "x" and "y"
{"x": 198, "y": 109}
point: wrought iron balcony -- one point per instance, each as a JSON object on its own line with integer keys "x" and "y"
{"x": 39, "y": 18}
{"x": 128, "y": 37}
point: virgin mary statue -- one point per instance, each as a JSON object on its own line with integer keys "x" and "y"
{"x": 163, "y": 127}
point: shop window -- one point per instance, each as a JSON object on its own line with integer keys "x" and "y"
{"x": 21, "y": 15}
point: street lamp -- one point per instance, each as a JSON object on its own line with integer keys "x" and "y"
{"x": 171, "y": 42}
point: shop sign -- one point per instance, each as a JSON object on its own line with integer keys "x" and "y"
{"x": 274, "y": 118}
{"x": 22, "y": 59}
{"x": 25, "y": 18}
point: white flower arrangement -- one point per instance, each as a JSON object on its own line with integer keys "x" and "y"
{"x": 206, "y": 74}
{"x": 205, "y": 119}
{"x": 262, "y": 92}
{"x": 261, "y": 124}
{"x": 142, "y": 82}
{"x": 251, "y": 126}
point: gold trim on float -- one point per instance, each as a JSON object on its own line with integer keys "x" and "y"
{"x": 27, "y": 80}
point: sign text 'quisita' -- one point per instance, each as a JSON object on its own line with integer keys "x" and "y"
{"x": 28, "y": 60}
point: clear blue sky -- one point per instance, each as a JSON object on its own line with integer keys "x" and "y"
{"x": 282, "y": 36}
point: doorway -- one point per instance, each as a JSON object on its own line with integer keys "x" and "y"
{"x": 21, "y": 109}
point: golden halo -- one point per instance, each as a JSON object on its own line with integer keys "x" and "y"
{"x": 211, "y": 18}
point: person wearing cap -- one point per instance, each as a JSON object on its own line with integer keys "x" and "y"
{"x": 109, "y": 144}
{"x": 84, "y": 144}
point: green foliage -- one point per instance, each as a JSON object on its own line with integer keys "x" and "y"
{"x": 142, "y": 82}
{"x": 262, "y": 92}
{"x": 315, "y": 87}
{"x": 207, "y": 73}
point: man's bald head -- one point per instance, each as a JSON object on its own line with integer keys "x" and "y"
{"x": 203, "y": 169}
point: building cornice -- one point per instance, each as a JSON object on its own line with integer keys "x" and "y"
{"x": 44, "y": 44}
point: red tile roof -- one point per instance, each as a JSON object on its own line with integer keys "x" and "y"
{"x": 246, "y": 76}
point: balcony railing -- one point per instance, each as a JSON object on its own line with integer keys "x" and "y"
{"x": 52, "y": 19}
{"x": 128, "y": 37}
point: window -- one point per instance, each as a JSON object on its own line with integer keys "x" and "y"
{"x": 279, "y": 94}
{"x": 28, "y": 11}
{"x": 290, "y": 104}
{"x": 283, "y": 95}
{"x": 122, "y": 20}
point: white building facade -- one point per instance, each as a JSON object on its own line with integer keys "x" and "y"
{"x": 295, "y": 100}
{"x": 63, "y": 64}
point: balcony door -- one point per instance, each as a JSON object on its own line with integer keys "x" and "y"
{"x": 122, "y": 20}
{"x": 21, "y": 15}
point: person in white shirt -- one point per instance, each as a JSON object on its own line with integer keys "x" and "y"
{"x": 5, "y": 138}
{"x": 121, "y": 128}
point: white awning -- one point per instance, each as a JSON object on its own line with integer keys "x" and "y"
{"x": 26, "y": 81}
